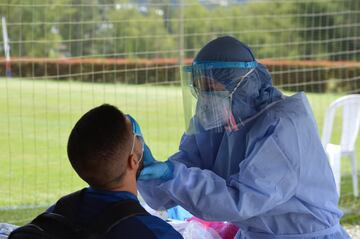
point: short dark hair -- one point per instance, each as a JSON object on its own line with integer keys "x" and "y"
{"x": 99, "y": 144}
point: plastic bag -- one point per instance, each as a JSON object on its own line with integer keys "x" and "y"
{"x": 225, "y": 230}
{"x": 6, "y": 229}
{"x": 158, "y": 213}
{"x": 195, "y": 230}
{"x": 179, "y": 226}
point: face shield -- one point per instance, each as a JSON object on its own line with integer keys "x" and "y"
{"x": 208, "y": 90}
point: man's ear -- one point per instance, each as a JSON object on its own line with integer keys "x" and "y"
{"x": 132, "y": 162}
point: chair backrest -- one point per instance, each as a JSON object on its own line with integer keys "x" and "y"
{"x": 350, "y": 121}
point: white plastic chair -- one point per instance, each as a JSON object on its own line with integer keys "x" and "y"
{"x": 350, "y": 129}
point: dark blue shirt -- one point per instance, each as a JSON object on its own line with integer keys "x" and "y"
{"x": 141, "y": 226}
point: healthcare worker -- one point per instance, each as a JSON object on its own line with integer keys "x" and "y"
{"x": 250, "y": 156}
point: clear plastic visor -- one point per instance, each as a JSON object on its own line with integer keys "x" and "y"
{"x": 207, "y": 97}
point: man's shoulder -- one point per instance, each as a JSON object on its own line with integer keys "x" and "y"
{"x": 145, "y": 226}
{"x": 138, "y": 226}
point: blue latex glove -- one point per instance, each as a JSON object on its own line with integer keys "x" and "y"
{"x": 135, "y": 126}
{"x": 157, "y": 170}
{"x": 148, "y": 157}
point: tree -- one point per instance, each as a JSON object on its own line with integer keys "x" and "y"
{"x": 315, "y": 27}
{"x": 348, "y": 47}
{"x": 196, "y": 26}
{"x": 30, "y": 27}
{"x": 138, "y": 31}
{"x": 79, "y": 26}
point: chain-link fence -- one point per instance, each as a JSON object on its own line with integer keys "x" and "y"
{"x": 62, "y": 57}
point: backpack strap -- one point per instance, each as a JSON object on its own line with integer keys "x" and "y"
{"x": 66, "y": 206}
{"x": 109, "y": 218}
{"x": 52, "y": 225}
{"x": 116, "y": 213}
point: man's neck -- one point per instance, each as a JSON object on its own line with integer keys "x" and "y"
{"x": 125, "y": 189}
{"x": 126, "y": 185}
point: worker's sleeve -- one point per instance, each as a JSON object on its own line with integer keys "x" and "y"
{"x": 188, "y": 155}
{"x": 198, "y": 151}
{"x": 267, "y": 178}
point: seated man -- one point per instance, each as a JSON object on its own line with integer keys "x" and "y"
{"x": 106, "y": 149}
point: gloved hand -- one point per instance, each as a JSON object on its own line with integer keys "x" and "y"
{"x": 154, "y": 169}
{"x": 157, "y": 170}
{"x": 148, "y": 157}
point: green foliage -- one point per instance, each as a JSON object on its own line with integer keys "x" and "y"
{"x": 348, "y": 32}
{"x": 136, "y": 32}
{"x": 256, "y": 25}
{"x": 78, "y": 25}
{"x": 31, "y": 30}
{"x": 316, "y": 29}
{"x": 285, "y": 76}
{"x": 124, "y": 28}
{"x": 196, "y": 26}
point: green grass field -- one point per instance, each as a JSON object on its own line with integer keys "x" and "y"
{"x": 36, "y": 119}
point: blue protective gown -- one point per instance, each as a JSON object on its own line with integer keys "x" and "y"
{"x": 271, "y": 178}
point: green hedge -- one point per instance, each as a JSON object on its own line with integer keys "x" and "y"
{"x": 317, "y": 78}
{"x": 287, "y": 75}
{"x": 131, "y": 72}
